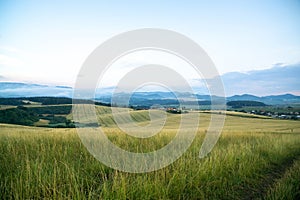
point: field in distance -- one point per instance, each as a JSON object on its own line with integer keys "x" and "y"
{"x": 254, "y": 158}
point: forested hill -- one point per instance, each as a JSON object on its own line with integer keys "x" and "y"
{"x": 239, "y": 104}
{"x": 45, "y": 101}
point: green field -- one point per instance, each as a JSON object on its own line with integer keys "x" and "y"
{"x": 255, "y": 158}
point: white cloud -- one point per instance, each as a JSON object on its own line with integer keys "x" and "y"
{"x": 9, "y": 49}
{"x": 124, "y": 66}
{"x": 9, "y": 61}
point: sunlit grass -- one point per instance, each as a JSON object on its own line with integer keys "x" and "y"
{"x": 39, "y": 163}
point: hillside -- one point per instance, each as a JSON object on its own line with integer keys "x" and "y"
{"x": 258, "y": 156}
{"x": 16, "y": 90}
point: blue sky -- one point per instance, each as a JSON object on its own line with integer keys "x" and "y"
{"x": 47, "y": 41}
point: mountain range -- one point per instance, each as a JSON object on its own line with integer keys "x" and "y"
{"x": 13, "y": 89}
{"x": 279, "y": 79}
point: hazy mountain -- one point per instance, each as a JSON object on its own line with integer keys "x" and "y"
{"x": 143, "y": 97}
{"x": 12, "y": 89}
{"x": 277, "y": 80}
{"x": 244, "y": 97}
{"x": 269, "y": 100}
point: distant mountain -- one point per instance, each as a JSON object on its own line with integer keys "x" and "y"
{"x": 13, "y": 89}
{"x": 141, "y": 98}
{"x": 244, "y": 97}
{"x": 269, "y": 100}
{"x": 276, "y": 80}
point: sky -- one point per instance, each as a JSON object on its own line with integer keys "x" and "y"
{"x": 48, "y": 41}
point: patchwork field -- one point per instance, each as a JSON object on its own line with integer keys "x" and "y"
{"x": 255, "y": 158}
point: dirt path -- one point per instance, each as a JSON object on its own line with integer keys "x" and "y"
{"x": 273, "y": 174}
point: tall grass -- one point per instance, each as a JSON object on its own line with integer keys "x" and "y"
{"x": 288, "y": 186}
{"x": 38, "y": 163}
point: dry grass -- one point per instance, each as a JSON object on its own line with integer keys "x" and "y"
{"x": 37, "y": 163}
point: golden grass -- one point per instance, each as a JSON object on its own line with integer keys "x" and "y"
{"x": 47, "y": 163}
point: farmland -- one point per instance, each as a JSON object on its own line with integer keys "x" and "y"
{"x": 254, "y": 158}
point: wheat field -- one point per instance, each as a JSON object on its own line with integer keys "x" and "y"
{"x": 254, "y": 158}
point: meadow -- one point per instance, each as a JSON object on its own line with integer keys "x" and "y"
{"x": 255, "y": 158}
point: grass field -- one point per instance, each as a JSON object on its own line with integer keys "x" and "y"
{"x": 255, "y": 158}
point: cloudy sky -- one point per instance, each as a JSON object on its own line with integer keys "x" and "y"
{"x": 48, "y": 41}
